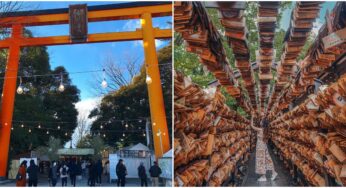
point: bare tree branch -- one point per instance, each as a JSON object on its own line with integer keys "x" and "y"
{"x": 82, "y": 128}
{"x": 117, "y": 73}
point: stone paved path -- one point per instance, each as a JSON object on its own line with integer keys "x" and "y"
{"x": 283, "y": 179}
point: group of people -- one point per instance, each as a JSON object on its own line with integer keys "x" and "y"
{"x": 62, "y": 170}
{"x": 32, "y": 172}
{"x": 155, "y": 172}
{"x": 73, "y": 169}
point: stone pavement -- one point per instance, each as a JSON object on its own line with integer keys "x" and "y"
{"x": 283, "y": 179}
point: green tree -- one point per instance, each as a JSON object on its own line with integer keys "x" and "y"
{"x": 118, "y": 109}
{"x": 94, "y": 142}
{"x": 54, "y": 144}
{"x": 41, "y": 102}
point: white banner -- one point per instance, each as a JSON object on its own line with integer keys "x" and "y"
{"x": 131, "y": 165}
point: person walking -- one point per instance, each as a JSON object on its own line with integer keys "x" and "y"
{"x": 92, "y": 173}
{"x": 142, "y": 174}
{"x": 121, "y": 173}
{"x": 21, "y": 175}
{"x": 63, "y": 174}
{"x": 53, "y": 175}
{"x": 264, "y": 162}
{"x": 33, "y": 171}
{"x": 155, "y": 172}
{"x": 79, "y": 172}
{"x": 99, "y": 170}
{"x": 84, "y": 165}
{"x": 72, "y": 172}
{"x": 106, "y": 169}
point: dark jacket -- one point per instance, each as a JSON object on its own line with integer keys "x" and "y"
{"x": 155, "y": 171}
{"x": 33, "y": 172}
{"x": 92, "y": 171}
{"x": 121, "y": 170}
{"x": 79, "y": 169}
{"x": 53, "y": 172}
{"x": 99, "y": 167}
{"x": 72, "y": 168}
{"x": 141, "y": 172}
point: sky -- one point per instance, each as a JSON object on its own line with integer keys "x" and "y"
{"x": 328, "y": 5}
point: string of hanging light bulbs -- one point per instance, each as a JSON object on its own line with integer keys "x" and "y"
{"x": 67, "y": 132}
{"x": 61, "y": 87}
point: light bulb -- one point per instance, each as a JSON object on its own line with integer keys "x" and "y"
{"x": 29, "y": 130}
{"x": 104, "y": 135}
{"x": 65, "y": 134}
{"x": 142, "y": 21}
{"x": 123, "y": 134}
{"x": 47, "y": 132}
{"x": 143, "y": 134}
{"x": 59, "y": 127}
{"x": 12, "y": 128}
{"x": 148, "y": 80}
{"x": 22, "y": 125}
{"x": 39, "y": 126}
{"x": 20, "y": 90}
{"x": 104, "y": 84}
{"x": 101, "y": 127}
{"x": 61, "y": 87}
{"x": 126, "y": 125}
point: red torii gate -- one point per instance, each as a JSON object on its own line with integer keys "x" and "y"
{"x": 138, "y": 10}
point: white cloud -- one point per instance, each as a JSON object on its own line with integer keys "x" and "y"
{"x": 131, "y": 25}
{"x": 84, "y": 107}
{"x": 158, "y": 43}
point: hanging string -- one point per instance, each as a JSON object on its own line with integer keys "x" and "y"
{"x": 31, "y": 127}
{"x": 71, "y": 122}
{"x": 72, "y": 73}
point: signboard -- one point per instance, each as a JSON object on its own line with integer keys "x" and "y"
{"x": 78, "y": 20}
{"x": 113, "y": 160}
{"x": 165, "y": 164}
{"x": 334, "y": 39}
{"x": 76, "y": 151}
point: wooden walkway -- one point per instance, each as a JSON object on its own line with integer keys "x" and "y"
{"x": 282, "y": 180}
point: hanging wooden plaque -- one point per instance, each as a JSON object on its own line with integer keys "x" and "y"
{"x": 334, "y": 39}
{"x": 78, "y": 23}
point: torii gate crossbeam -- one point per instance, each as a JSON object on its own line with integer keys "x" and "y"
{"x": 138, "y": 10}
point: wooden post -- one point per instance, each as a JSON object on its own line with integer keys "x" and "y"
{"x": 8, "y": 95}
{"x": 157, "y": 107}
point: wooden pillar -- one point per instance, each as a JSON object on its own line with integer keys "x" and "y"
{"x": 8, "y": 95}
{"x": 157, "y": 107}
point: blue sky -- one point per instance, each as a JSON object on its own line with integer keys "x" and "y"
{"x": 85, "y": 57}
{"x": 320, "y": 21}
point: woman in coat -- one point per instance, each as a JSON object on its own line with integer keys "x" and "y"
{"x": 21, "y": 176}
{"x": 263, "y": 160}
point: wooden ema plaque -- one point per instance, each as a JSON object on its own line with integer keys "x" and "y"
{"x": 334, "y": 39}
{"x": 78, "y": 21}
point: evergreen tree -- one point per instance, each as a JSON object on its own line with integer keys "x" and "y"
{"x": 41, "y": 101}
{"x": 132, "y": 102}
